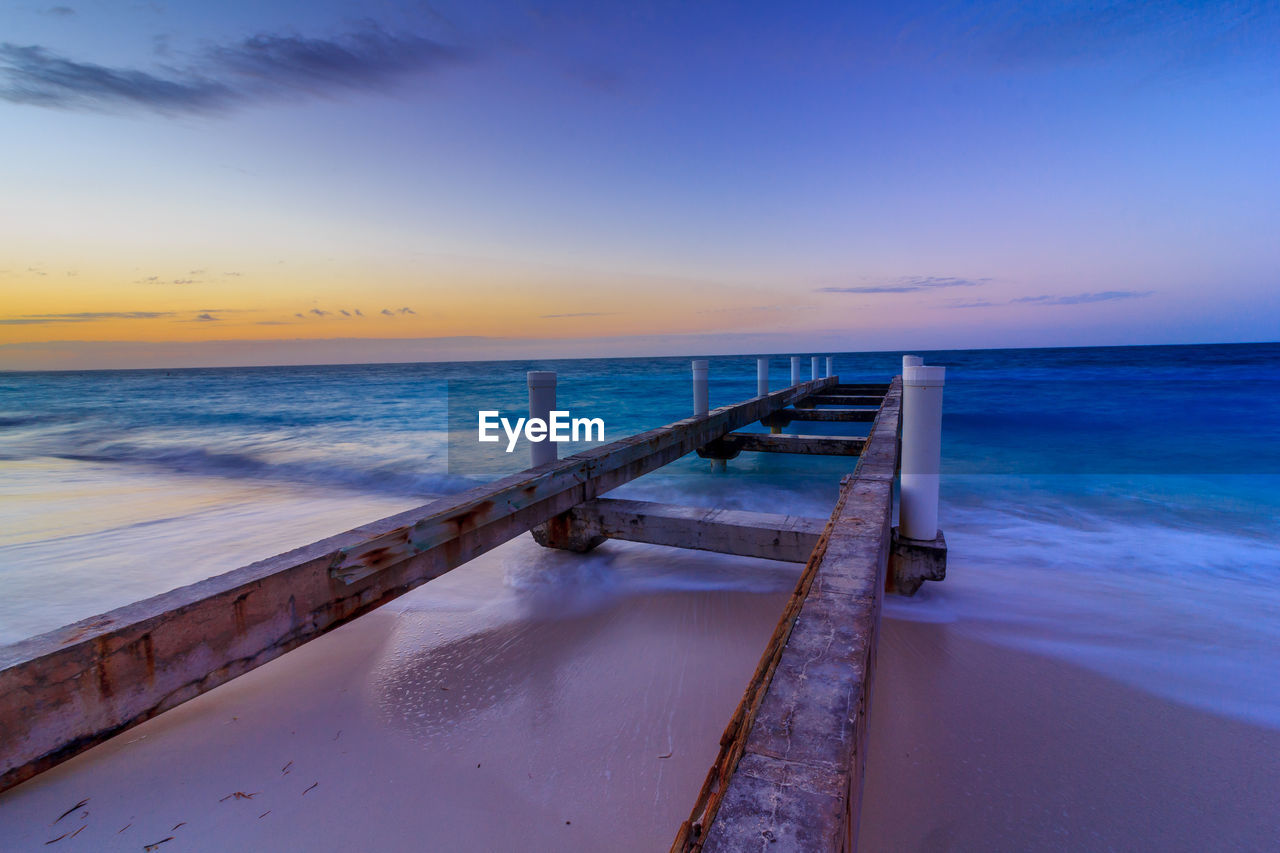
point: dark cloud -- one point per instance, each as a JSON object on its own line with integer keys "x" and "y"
{"x": 82, "y": 317}
{"x": 320, "y": 313}
{"x": 909, "y": 284}
{"x": 358, "y": 314}
{"x": 1083, "y": 298}
{"x": 344, "y": 312}
{"x": 206, "y": 317}
{"x": 406, "y": 311}
{"x": 265, "y": 66}
{"x": 60, "y": 11}
{"x": 390, "y": 313}
{"x": 32, "y": 75}
{"x": 185, "y": 281}
{"x": 299, "y": 316}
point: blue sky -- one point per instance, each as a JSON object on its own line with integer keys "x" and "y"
{"x": 555, "y": 177}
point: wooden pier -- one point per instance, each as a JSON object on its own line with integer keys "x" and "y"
{"x": 791, "y": 759}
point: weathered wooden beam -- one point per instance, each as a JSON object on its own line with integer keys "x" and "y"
{"x": 860, "y": 388}
{"x": 788, "y": 538}
{"x": 854, "y": 415}
{"x": 818, "y": 445}
{"x": 792, "y": 758}
{"x": 845, "y": 400}
{"x": 66, "y": 690}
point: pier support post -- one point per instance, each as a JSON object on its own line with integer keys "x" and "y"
{"x": 542, "y": 400}
{"x": 701, "y": 394}
{"x": 911, "y": 361}
{"x": 813, "y": 368}
{"x": 762, "y": 376}
{"x": 795, "y": 370}
{"x": 921, "y": 450}
{"x": 830, "y": 364}
{"x": 702, "y": 401}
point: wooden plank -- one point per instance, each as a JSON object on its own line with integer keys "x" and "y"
{"x": 849, "y": 415}
{"x": 793, "y": 755}
{"x": 820, "y": 445}
{"x": 845, "y": 400}
{"x": 768, "y": 536}
{"x": 860, "y": 388}
{"x": 66, "y": 690}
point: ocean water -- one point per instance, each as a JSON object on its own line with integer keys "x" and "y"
{"x": 1115, "y": 507}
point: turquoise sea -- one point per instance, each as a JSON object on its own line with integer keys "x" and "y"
{"x": 1115, "y": 507}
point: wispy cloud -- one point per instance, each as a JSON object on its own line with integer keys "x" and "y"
{"x": 392, "y": 313}
{"x": 908, "y": 284}
{"x": 320, "y": 313}
{"x": 59, "y": 11}
{"x": 578, "y": 314}
{"x": 82, "y": 317}
{"x": 1083, "y": 298}
{"x": 261, "y": 67}
{"x": 206, "y": 317}
{"x": 1054, "y": 299}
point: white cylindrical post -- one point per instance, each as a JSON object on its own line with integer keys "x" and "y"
{"x": 813, "y": 368}
{"x": 701, "y": 396}
{"x": 542, "y": 400}
{"x": 795, "y": 370}
{"x": 921, "y": 450}
{"x": 762, "y": 376}
{"x": 910, "y": 361}
{"x": 830, "y": 364}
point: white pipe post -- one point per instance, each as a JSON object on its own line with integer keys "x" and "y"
{"x": 813, "y": 368}
{"x": 921, "y": 450}
{"x": 795, "y": 370}
{"x": 910, "y": 361}
{"x": 762, "y": 376}
{"x": 542, "y": 401}
{"x": 701, "y": 395}
{"x": 830, "y": 364}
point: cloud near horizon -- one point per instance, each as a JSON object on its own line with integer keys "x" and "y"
{"x": 1053, "y": 299}
{"x": 82, "y": 317}
{"x": 1083, "y": 298}
{"x": 261, "y": 67}
{"x": 908, "y": 284}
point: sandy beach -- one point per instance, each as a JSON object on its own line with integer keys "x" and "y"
{"x": 421, "y": 727}
{"x": 431, "y": 725}
{"x": 975, "y": 746}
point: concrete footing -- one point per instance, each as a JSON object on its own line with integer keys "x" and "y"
{"x": 914, "y": 561}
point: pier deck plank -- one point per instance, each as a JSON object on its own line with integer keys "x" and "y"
{"x": 768, "y": 536}
{"x": 820, "y": 445}
{"x": 792, "y": 757}
{"x": 846, "y": 399}
{"x": 847, "y": 415}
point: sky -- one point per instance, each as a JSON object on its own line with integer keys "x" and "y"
{"x": 308, "y": 181}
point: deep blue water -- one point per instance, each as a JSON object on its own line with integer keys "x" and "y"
{"x": 1114, "y": 506}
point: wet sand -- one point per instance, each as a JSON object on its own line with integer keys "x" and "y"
{"x": 415, "y": 728}
{"x": 562, "y": 720}
{"x": 974, "y": 746}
